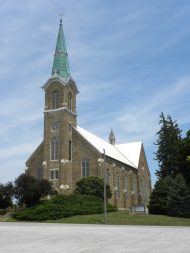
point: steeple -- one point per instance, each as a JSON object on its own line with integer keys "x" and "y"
{"x": 61, "y": 63}
{"x": 112, "y": 138}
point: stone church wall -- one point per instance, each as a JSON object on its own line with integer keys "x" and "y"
{"x": 125, "y": 196}
{"x": 144, "y": 179}
{"x": 34, "y": 163}
{"x": 82, "y": 150}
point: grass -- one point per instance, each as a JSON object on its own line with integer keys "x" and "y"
{"x": 123, "y": 218}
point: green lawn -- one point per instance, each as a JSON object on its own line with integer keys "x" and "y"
{"x": 123, "y": 218}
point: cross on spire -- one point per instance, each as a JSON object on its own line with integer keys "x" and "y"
{"x": 61, "y": 17}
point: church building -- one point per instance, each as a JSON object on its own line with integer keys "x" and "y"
{"x": 69, "y": 152}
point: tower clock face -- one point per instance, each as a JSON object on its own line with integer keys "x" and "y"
{"x": 55, "y": 125}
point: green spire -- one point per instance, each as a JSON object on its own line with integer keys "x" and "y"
{"x": 61, "y": 63}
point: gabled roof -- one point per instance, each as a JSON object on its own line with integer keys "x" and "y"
{"x": 131, "y": 150}
{"x": 35, "y": 151}
{"x": 130, "y": 156}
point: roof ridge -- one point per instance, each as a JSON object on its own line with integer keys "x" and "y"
{"x": 117, "y": 155}
{"x": 129, "y": 143}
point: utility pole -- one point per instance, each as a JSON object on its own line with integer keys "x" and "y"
{"x": 105, "y": 197}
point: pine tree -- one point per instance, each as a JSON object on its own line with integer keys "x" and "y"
{"x": 178, "y": 203}
{"x": 171, "y": 195}
{"x": 168, "y": 142}
{"x": 184, "y": 161}
{"x": 159, "y": 197}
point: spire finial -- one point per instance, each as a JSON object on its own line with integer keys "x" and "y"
{"x": 61, "y": 17}
{"x": 112, "y": 137}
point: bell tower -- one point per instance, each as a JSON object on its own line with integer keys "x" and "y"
{"x": 59, "y": 116}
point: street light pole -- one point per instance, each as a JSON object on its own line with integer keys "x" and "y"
{"x": 105, "y": 197}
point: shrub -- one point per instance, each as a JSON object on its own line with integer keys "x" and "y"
{"x": 61, "y": 206}
{"x": 92, "y": 186}
{"x": 2, "y": 211}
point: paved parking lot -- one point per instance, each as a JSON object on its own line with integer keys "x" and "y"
{"x": 36, "y": 237}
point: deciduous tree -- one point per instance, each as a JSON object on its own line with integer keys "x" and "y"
{"x": 28, "y": 190}
{"x": 6, "y": 195}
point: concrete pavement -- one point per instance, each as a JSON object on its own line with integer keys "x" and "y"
{"x": 66, "y": 238}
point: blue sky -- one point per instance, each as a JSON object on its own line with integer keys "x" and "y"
{"x": 130, "y": 60}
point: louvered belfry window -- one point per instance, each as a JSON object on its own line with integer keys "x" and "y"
{"x": 70, "y": 101}
{"x": 55, "y": 99}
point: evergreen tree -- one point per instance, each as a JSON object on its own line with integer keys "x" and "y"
{"x": 179, "y": 198}
{"x": 168, "y": 142}
{"x": 171, "y": 195}
{"x": 184, "y": 161}
{"x": 159, "y": 196}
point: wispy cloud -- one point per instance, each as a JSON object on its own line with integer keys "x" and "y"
{"x": 142, "y": 118}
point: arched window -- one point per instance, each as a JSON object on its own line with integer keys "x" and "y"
{"x": 39, "y": 171}
{"x": 55, "y": 99}
{"x": 143, "y": 186}
{"x": 70, "y": 101}
{"x": 134, "y": 185}
{"x": 108, "y": 175}
{"x": 70, "y": 150}
{"x": 126, "y": 183}
{"x": 85, "y": 168}
{"x": 54, "y": 148}
{"x": 117, "y": 187}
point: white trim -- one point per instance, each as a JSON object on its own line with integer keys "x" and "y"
{"x": 64, "y": 82}
{"x": 64, "y": 161}
{"x": 60, "y": 109}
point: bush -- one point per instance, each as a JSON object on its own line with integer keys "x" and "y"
{"x": 92, "y": 186}
{"x": 2, "y": 211}
{"x": 62, "y": 206}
